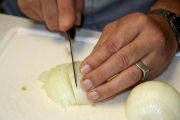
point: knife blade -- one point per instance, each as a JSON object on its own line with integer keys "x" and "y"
{"x": 70, "y": 34}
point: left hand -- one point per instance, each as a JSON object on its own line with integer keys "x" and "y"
{"x": 122, "y": 44}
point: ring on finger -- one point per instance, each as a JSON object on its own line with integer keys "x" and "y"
{"x": 144, "y": 69}
{"x": 112, "y": 77}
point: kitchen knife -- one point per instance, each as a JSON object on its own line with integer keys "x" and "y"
{"x": 70, "y": 35}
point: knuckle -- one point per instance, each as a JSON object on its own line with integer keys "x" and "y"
{"x": 31, "y": 8}
{"x": 51, "y": 15}
{"x": 94, "y": 60}
{"x": 51, "y": 21}
{"x": 111, "y": 90}
{"x": 159, "y": 35}
{"x": 97, "y": 60}
{"x": 99, "y": 76}
{"x": 123, "y": 60}
{"x": 96, "y": 78}
{"x": 108, "y": 26}
{"x": 133, "y": 48}
{"x": 22, "y": 5}
{"x": 141, "y": 18}
{"x": 111, "y": 46}
{"x": 159, "y": 38}
{"x": 66, "y": 10}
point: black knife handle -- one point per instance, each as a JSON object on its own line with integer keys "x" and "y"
{"x": 72, "y": 32}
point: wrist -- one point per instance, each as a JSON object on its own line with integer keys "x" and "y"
{"x": 165, "y": 27}
{"x": 171, "y": 5}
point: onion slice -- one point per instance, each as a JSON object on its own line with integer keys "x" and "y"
{"x": 59, "y": 85}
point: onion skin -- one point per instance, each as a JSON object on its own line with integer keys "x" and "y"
{"x": 153, "y": 100}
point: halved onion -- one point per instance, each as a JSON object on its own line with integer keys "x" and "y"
{"x": 59, "y": 85}
{"x": 153, "y": 100}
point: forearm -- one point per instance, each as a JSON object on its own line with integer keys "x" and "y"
{"x": 171, "y": 5}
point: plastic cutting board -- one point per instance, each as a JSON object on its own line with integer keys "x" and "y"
{"x": 25, "y": 53}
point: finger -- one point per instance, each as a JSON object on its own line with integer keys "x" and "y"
{"x": 107, "y": 32}
{"x": 118, "y": 62}
{"x": 123, "y": 81}
{"x": 66, "y": 14}
{"x": 118, "y": 39}
{"x": 79, "y": 6}
{"x": 155, "y": 62}
{"x": 50, "y": 14}
{"x": 109, "y": 98}
{"x": 31, "y": 9}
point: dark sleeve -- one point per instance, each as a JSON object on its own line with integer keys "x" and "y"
{"x": 11, "y": 7}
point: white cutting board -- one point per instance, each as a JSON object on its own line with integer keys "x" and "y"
{"x": 25, "y": 53}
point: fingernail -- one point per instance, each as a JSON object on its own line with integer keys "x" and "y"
{"x": 86, "y": 84}
{"x": 93, "y": 95}
{"x": 78, "y": 19}
{"x": 85, "y": 69}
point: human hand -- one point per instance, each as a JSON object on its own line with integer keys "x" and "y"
{"x": 57, "y": 14}
{"x": 124, "y": 42}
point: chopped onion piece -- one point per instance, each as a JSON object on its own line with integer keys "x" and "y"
{"x": 59, "y": 85}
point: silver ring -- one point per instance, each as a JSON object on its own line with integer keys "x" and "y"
{"x": 144, "y": 69}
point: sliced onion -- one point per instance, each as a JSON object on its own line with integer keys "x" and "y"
{"x": 59, "y": 85}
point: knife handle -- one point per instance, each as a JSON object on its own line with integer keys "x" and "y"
{"x": 72, "y": 32}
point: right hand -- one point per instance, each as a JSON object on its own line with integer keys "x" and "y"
{"x": 57, "y": 14}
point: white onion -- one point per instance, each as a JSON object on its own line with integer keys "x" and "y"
{"x": 59, "y": 85}
{"x": 153, "y": 100}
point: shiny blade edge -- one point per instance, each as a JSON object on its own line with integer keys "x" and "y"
{"x": 68, "y": 37}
